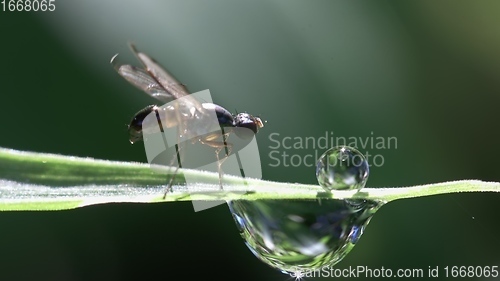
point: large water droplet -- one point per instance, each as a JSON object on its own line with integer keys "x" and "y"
{"x": 342, "y": 168}
{"x": 297, "y": 236}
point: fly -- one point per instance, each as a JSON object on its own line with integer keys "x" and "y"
{"x": 161, "y": 85}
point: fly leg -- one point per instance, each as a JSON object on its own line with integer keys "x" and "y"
{"x": 177, "y": 156}
{"x": 220, "y": 146}
{"x": 227, "y": 149}
{"x": 172, "y": 177}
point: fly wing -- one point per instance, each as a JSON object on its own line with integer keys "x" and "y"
{"x": 177, "y": 124}
{"x": 142, "y": 80}
{"x": 158, "y": 83}
{"x": 167, "y": 81}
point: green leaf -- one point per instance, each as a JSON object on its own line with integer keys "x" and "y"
{"x": 38, "y": 181}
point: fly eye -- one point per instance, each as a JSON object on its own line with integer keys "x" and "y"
{"x": 247, "y": 121}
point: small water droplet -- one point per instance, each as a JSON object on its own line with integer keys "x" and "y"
{"x": 342, "y": 168}
{"x": 297, "y": 236}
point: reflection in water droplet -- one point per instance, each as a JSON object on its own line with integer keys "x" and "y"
{"x": 297, "y": 236}
{"x": 342, "y": 168}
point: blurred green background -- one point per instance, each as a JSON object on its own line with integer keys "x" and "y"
{"x": 425, "y": 72}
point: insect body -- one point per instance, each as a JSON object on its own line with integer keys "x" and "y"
{"x": 158, "y": 83}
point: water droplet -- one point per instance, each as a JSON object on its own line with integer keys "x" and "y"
{"x": 297, "y": 236}
{"x": 342, "y": 168}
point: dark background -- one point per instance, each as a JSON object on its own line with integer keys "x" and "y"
{"x": 424, "y": 72}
